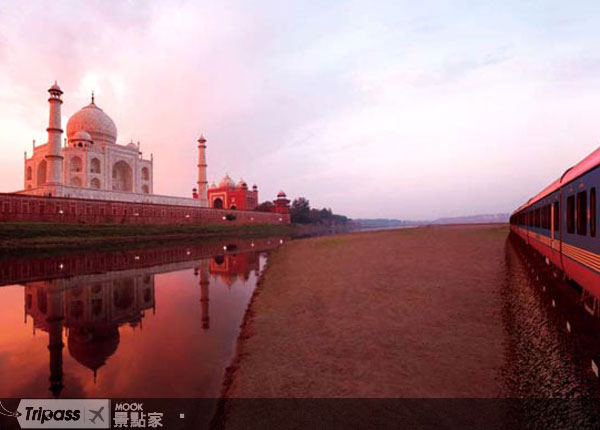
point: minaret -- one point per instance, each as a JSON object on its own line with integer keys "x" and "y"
{"x": 202, "y": 182}
{"x": 54, "y": 158}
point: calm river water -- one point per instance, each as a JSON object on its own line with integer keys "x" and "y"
{"x": 137, "y": 323}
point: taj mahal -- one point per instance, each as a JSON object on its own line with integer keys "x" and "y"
{"x": 89, "y": 163}
{"x": 89, "y": 177}
{"x": 92, "y": 142}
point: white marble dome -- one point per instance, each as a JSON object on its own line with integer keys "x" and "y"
{"x": 82, "y": 135}
{"x": 226, "y": 182}
{"x": 91, "y": 119}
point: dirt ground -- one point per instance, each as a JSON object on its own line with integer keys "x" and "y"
{"x": 401, "y": 313}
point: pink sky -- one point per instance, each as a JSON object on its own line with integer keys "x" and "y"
{"x": 375, "y": 109}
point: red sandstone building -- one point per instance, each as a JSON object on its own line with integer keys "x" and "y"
{"x": 229, "y": 195}
{"x": 282, "y": 204}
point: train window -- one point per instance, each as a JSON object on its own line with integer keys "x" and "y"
{"x": 593, "y": 212}
{"x": 556, "y": 216}
{"x": 571, "y": 214}
{"x": 533, "y": 217}
{"x": 582, "y": 213}
{"x": 543, "y": 217}
{"x": 537, "y": 217}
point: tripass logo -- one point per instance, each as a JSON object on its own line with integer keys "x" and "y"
{"x": 64, "y": 413}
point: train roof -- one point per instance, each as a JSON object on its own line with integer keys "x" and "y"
{"x": 570, "y": 174}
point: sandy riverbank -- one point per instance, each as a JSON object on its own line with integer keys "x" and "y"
{"x": 402, "y": 313}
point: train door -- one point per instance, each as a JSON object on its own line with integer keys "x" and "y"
{"x": 558, "y": 229}
{"x": 552, "y": 226}
{"x": 555, "y": 232}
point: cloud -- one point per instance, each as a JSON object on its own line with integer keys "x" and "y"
{"x": 392, "y": 109}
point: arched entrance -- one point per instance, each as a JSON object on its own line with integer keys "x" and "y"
{"x": 41, "y": 173}
{"x": 218, "y": 203}
{"x": 95, "y": 166}
{"x": 75, "y": 164}
{"x": 122, "y": 177}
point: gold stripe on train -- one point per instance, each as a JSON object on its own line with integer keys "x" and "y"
{"x": 581, "y": 256}
{"x": 591, "y": 260}
{"x": 584, "y": 260}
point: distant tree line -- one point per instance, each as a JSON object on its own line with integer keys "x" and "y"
{"x": 302, "y": 213}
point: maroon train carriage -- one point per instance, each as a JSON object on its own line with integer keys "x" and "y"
{"x": 561, "y": 222}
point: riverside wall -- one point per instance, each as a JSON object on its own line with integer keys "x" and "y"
{"x": 26, "y": 208}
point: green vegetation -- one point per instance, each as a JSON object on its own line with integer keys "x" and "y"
{"x": 37, "y": 236}
{"x": 302, "y": 213}
{"x": 266, "y": 206}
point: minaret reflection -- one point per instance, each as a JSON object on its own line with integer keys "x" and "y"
{"x": 228, "y": 268}
{"x": 53, "y": 301}
{"x": 91, "y": 315}
{"x": 203, "y": 271}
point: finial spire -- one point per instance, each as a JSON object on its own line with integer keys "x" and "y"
{"x": 92, "y": 97}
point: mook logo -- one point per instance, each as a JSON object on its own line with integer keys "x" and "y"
{"x": 132, "y": 415}
{"x": 64, "y": 413}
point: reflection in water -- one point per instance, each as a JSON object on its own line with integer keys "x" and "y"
{"x": 90, "y": 315}
{"x": 91, "y": 310}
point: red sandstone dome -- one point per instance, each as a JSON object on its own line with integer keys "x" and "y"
{"x": 94, "y": 121}
{"x": 55, "y": 87}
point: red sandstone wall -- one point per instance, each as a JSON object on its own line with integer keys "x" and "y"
{"x": 22, "y": 208}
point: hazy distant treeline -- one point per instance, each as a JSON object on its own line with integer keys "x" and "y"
{"x": 470, "y": 219}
